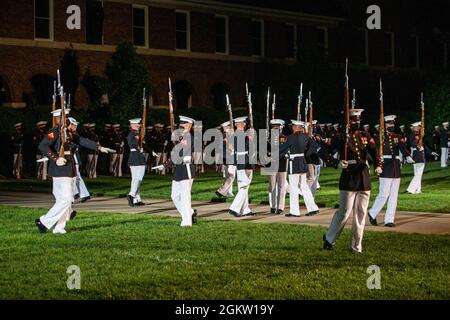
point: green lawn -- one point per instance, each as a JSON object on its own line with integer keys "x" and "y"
{"x": 435, "y": 196}
{"x": 137, "y": 256}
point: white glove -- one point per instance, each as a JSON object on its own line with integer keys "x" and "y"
{"x": 160, "y": 168}
{"x": 378, "y": 171}
{"x": 410, "y": 160}
{"x": 435, "y": 155}
{"x": 106, "y": 150}
{"x": 61, "y": 162}
{"x": 154, "y": 154}
{"x": 343, "y": 164}
{"x": 165, "y": 143}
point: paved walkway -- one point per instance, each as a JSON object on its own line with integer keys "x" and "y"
{"x": 407, "y": 222}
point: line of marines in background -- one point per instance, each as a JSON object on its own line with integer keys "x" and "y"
{"x": 24, "y": 149}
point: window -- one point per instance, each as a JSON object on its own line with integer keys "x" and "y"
{"x": 94, "y": 21}
{"x": 222, "y": 34}
{"x": 291, "y": 41}
{"x": 322, "y": 38}
{"x": 43, "y": 19}
{"x": 140, "y": 26}
{"x": 389, "y": 49}
{"x": 258, "y": 38}
{"x": 182, "y": 30}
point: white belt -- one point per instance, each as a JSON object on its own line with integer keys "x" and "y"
{"x": 133, "y": 150}
{"x": 67, "y": 153}
{"x": 187, "y": 159}
{"x": 390, "y": 157}
{"x": 242, "y": 153}
{"x": 298, "y": 155}
{"x": 356, "y": 162}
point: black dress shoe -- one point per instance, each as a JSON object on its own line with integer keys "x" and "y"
{"x": 41, "y": 227}
{"x": 219, "y": 195}
{"x": 312, "y": 213}
{"x": 84, "y": 199}
{"x": 249, "y": 214}
{"x": 77, "y": 196}
{"x": 390, "y": 225}
{"x": 326, "y": 245}
{"x": 73, "y": 214}
{"x": 290, "y": 215}
{"x": 273, "y": 211}
{"x": 130, "y": 200}
{"x": 233, "y": 213}
{"x": 279, "y": 211}
{"x": 194, "y": 217}
{"x": 373, "y": 221}
{"x": 139, "y": 204}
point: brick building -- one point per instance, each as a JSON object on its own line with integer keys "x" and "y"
{"x": 212, "y": 47}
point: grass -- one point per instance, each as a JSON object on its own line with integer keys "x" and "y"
{"x": 137, "y": 256}
{"x": 435, "y": 188}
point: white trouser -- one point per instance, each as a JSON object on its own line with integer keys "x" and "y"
{"x": 41, "y": 168}
{"x": 79, "y": 187}
{"x": 160, "y": 159}
{"x": 137, "y": 174}
{"x": 297, "y": 183}
{"x": 444, "y": 157}
{"x": 60, "y": 212}
{"x": 18, "y": 165}
{"x": 229, "y": 174}
{"x": 240, "y": 202}
{"x": 313, "y": 177}
{"x": 415, "y": 186}
{"x": 92, "y": 165}
{"x": 117, "y": 159}
{"x": 388, "y": 191}
{"x": 350, "y": 201}
{"x": 277, "y": 190}
{"x": 318, "y": 167}
{"x": 181, "y": 197}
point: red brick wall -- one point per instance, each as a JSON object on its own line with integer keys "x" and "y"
{"x": 203, "y": 32}
{"x": 61, "y": 33}
{"x": 162, "y": 28}
{"x": 275, "y": 39}
{"x": 240, "y": 36}
{"x": 17, "y": 19}
{"x": 117, "y": 24}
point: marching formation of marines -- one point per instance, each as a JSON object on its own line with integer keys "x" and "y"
{"x": 296, "y": 152}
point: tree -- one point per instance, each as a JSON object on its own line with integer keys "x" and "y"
{"x": 126, "y": 77}
{"x": 70, "y": 72}
{"x": 437, "y": 102}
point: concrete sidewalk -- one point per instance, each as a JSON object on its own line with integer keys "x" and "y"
{"x": 407, "y": 222}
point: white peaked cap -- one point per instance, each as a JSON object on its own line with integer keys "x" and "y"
{"x": 159, "y": 125}
{"x": 356, "y": 112}
{"x": 41, "y": 123}
{"x": 135, "y": 121}
{"x": 225, "y": 124}
{"x": 275, "y": 122}
{"x": 186, "y": 119}
{"x": 240, "y": 119}
{"x": 366, "y": 126}
{"x": 416, "y": 124}
{"x": 116, "y": 125}
{"x": 402, "y": 126}
{"x": 17, "y": 124}
{"x": 314, "y": 122}
{"x": 377, "y": 126}
{"x": 73, "y": 121}
{"x": 445, "y": 123}
{"x": 57, "y": 112}
{"x": 298, "y": 123}
{"x": 390, "y": 118}
{"x": 336, "y": 125}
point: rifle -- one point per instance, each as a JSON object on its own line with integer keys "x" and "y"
{"x": 144, "y": 117}
{"x": 380, "y": 147}
{"x": 299, "y": 103}
{"x": 347, "y": 112}
{"x": 250, "y": 109}
{"x": 171, "y": 107}
{"x": 274, "y": 105}
{"x": 422, "y": 128}
{"x": 62, "y": 123}
{"x": 230, "y": 114}
{"x": 54, "y": 103}
{"x": 306, "y": 109}
{"x": 310, "y": 116}
{"x": 354, "y": 99}
{"x": 267, "y": 114}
